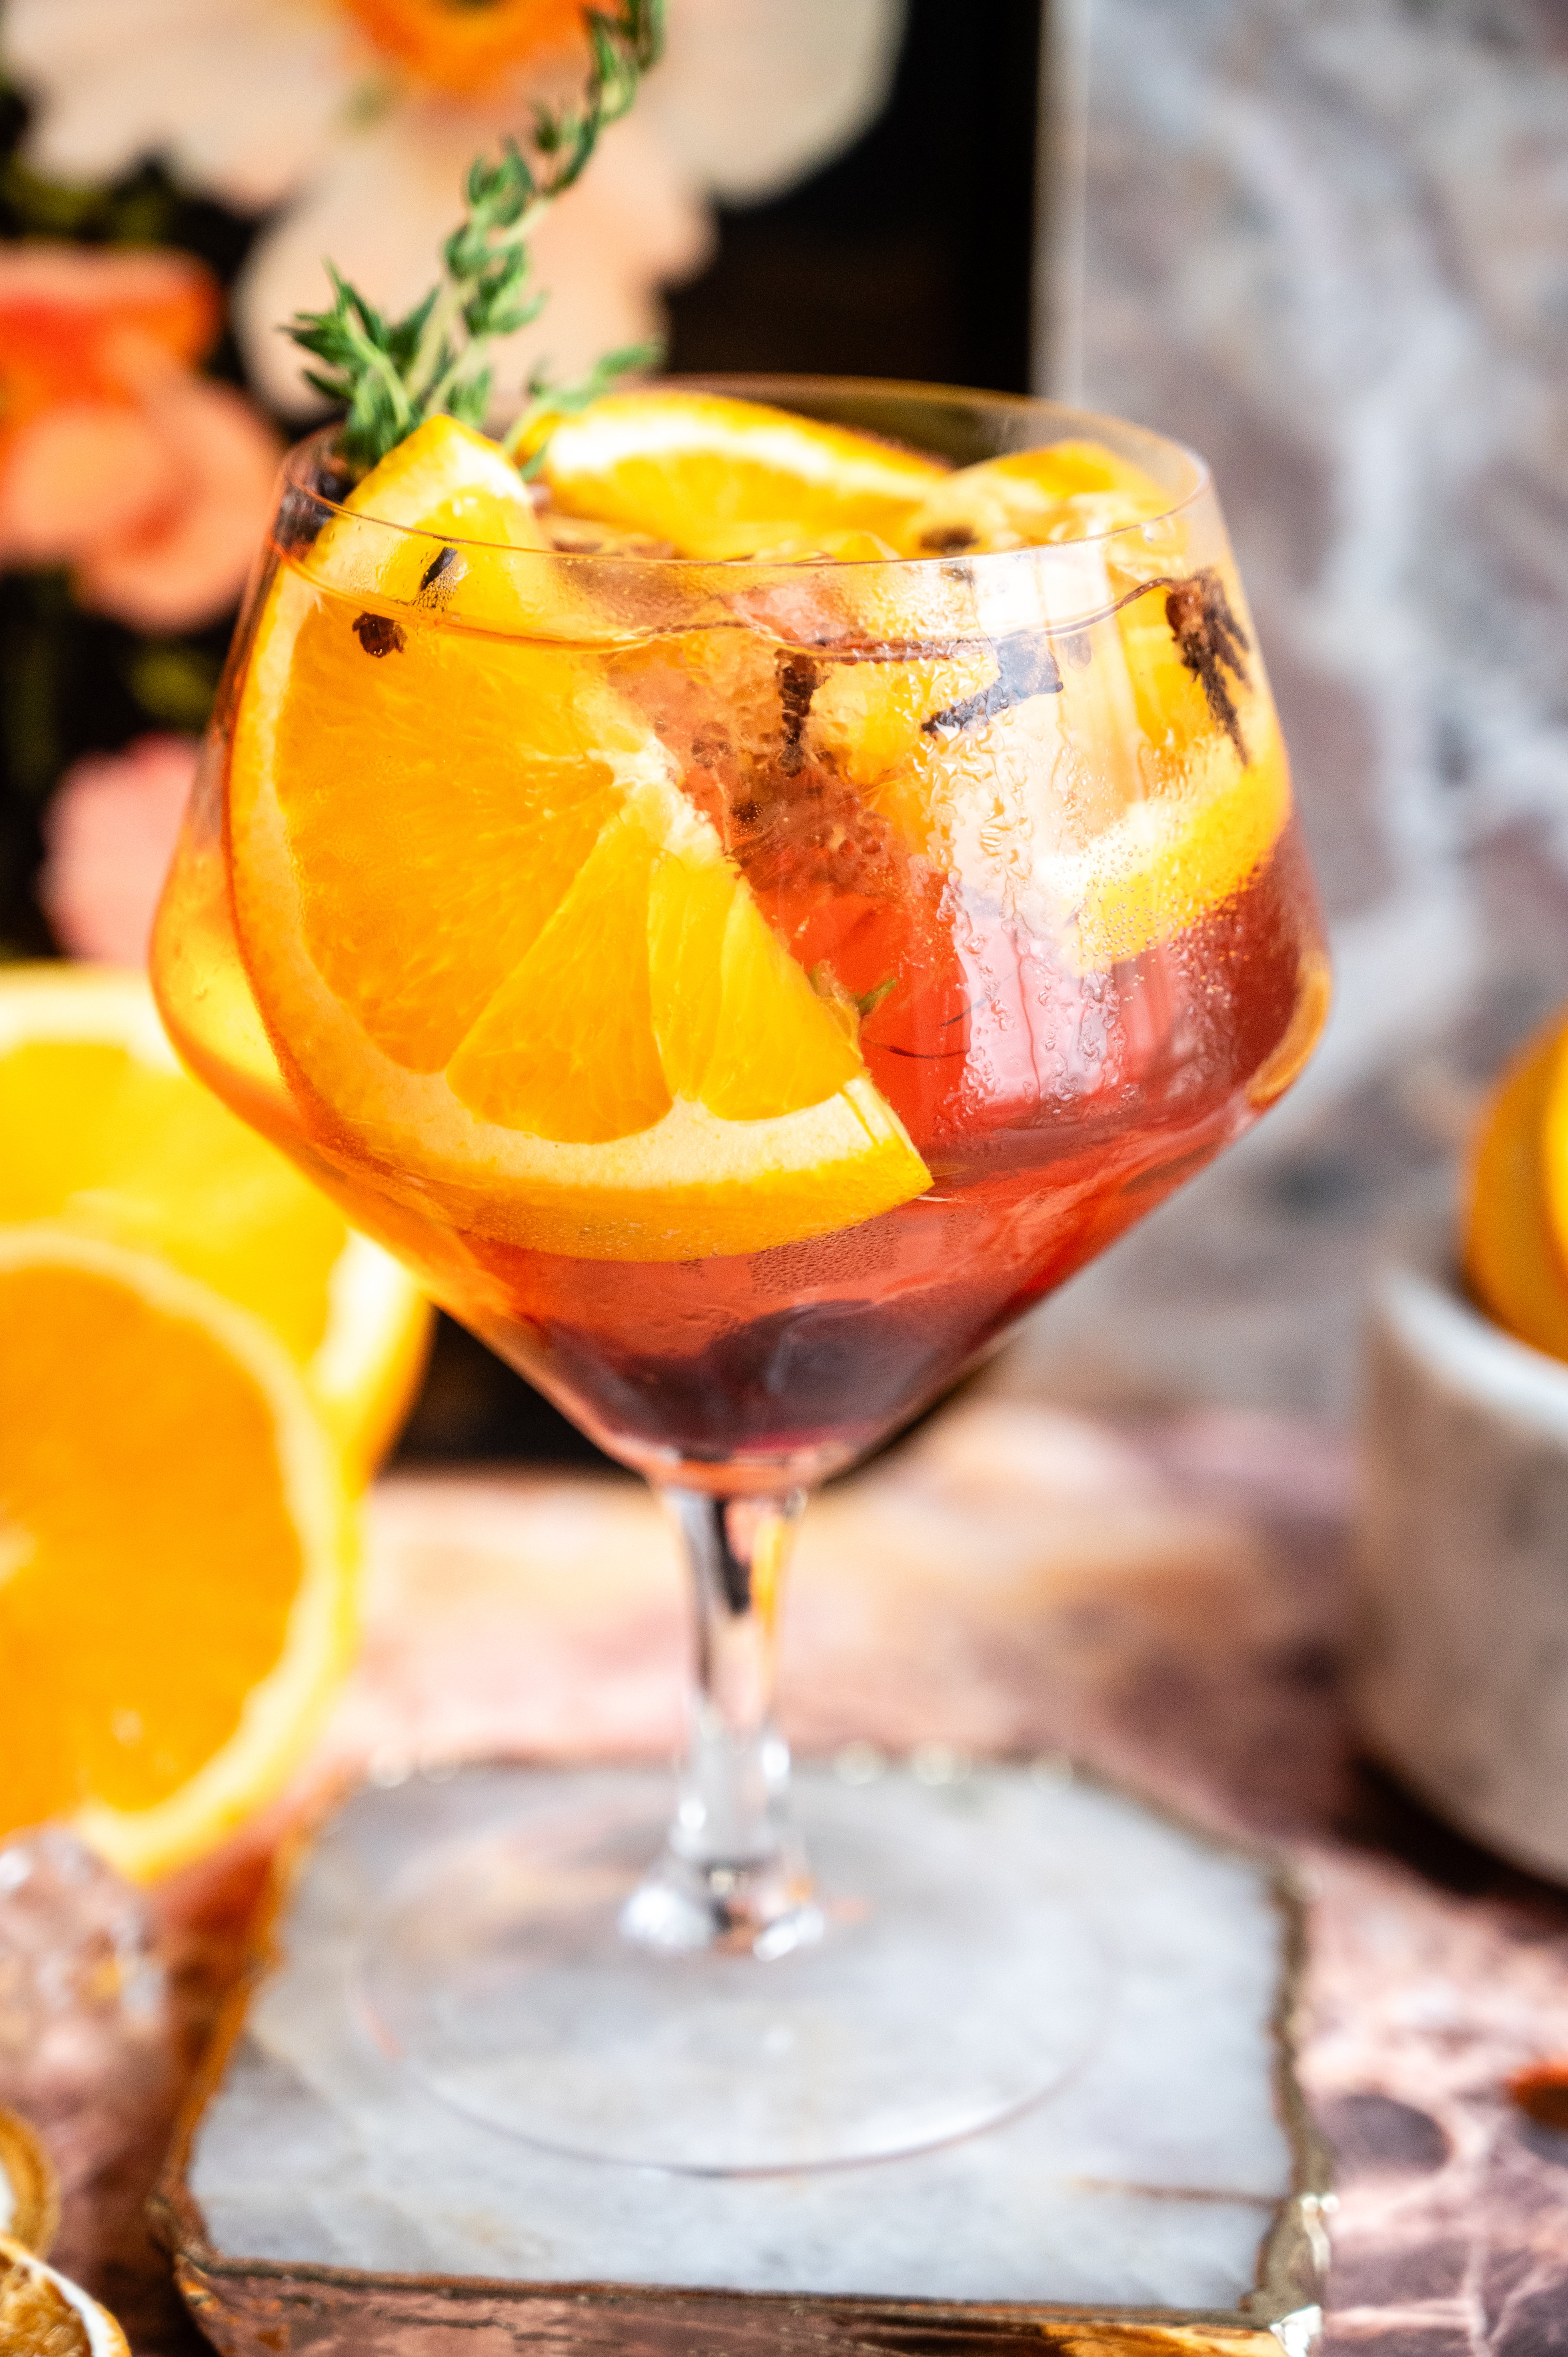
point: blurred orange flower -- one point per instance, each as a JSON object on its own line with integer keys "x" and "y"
{"x": 352, "y": 122}
{"x": 466, "y": 49}
{"x": 109, "y": 836}
{"x": 151, "y": 483}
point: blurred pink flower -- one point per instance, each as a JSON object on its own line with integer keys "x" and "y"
{"x": 352, "y": 122}
{"x": 151, "y": 483}
{"x": 109, "y": 836}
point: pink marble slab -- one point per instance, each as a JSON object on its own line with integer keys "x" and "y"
{"x": 1163, "y": 1599}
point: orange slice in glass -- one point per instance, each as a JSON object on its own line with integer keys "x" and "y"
{"x": 721, "y": 478}
{"x": 1068, "y": 490}
{"x": 510, "y": 957}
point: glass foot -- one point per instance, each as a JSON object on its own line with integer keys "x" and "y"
{"x": 950, "y": 1986}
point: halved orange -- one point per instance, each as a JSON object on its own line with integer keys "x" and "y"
{"x": 176, "y": 1551}
{"x": 512, "y": 958}
{"x": 101, "y": 1130}
{"x": 1516, "y": 1234}
{"x": 720, "y": 478}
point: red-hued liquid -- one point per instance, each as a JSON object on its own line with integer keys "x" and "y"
{"x": 1120, "y": 1087}
{"x": 1052, "y": 1109}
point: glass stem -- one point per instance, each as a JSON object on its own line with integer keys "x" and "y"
{"x": 732, "y": 1874}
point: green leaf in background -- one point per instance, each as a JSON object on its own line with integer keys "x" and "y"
{"x": 174, "y": 682}
{"x": 389, "y": 375}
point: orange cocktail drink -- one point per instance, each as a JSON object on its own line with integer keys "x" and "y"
{"x": 745, "y": 928}
{"x": 743, "y": 918}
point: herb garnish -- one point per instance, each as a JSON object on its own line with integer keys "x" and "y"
{"x": 391, "y": 374}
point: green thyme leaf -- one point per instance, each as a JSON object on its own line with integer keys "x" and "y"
{"x": 554, "y": 402}
{"x": 390, "y": 375}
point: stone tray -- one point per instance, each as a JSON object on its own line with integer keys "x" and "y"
{"x": 1169, "y": 2196}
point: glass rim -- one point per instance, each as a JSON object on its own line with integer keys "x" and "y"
{"x": 771, "y": 387}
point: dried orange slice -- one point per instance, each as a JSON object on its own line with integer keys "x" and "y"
{"x": 101, "y": 1130}
{"x": 44, "y": 2314}
{"x": 513, "y": 960}
{"x": 176, "y": 1551}
{"x": 721, "y": 478}
{"x": 1515, "y": 1257}
{"x": 29, "y": 2187}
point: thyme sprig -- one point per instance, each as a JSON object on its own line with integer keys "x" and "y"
{"x": 548, "y": 400}
{"x": 390, "y": 374}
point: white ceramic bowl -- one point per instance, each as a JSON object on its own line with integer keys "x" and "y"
{"x": 1460, "y": 1652}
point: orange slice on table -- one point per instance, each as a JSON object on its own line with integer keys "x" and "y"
{"x": 510, "y": 957}
{"x": 176, "y": 1551}
{"x": 103, "y": 1131}
{"x": 720, "y": 478}
{"x": 1516, "y": 1219}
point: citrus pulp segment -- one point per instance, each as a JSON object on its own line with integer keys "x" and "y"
{"x": 867, "y": 719}
{"x": 176, "y": 1551}
{"x": 663, "y": 977}
{"x": 701, "y": 471}
{"x": 444, "y": 478}
{"x": 101, "y": 1130}
{"x": 566, "y": 1047}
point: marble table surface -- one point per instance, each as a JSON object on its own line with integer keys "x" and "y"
{"x": 1164, "y": 1599}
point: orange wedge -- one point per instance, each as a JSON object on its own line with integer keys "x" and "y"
{"x": 720, "y": 478}
{"x": 1173, "y": 859}
{"x": 1515, "y": 1259}
{"x": 463, "y": 517}
{"x": 177, "y": 1552}
{"x": 1140, "y": 813}
{"x": 510, "y": 957}
{"x": 1070, "y": 490}
{"x": 101, "y": 1130}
